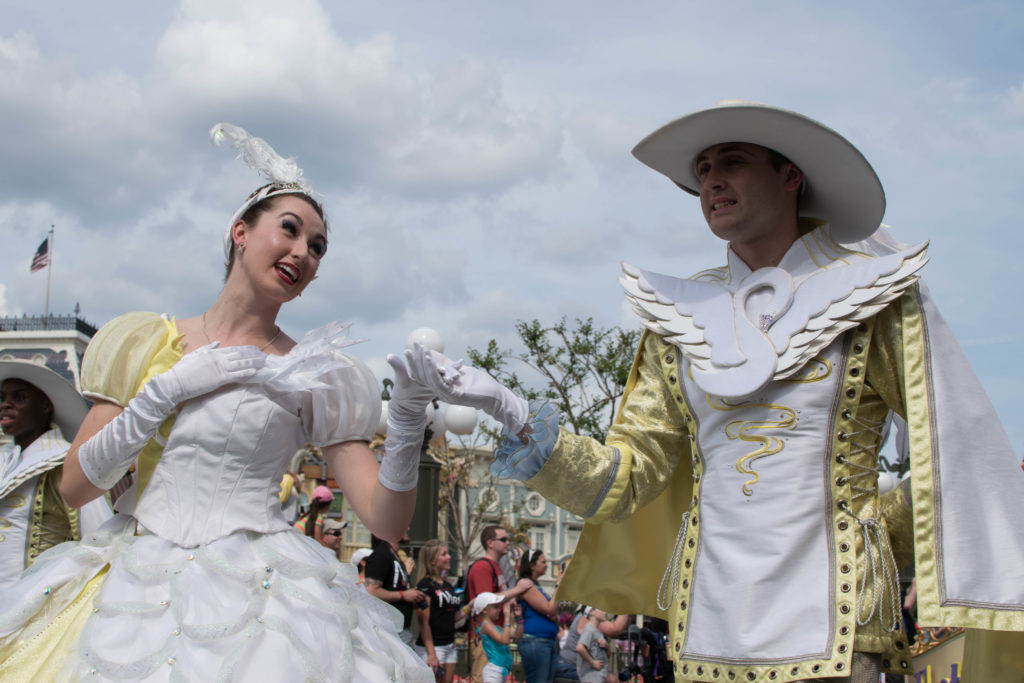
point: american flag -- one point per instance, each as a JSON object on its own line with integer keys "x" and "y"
{"x": 42, "y": 257}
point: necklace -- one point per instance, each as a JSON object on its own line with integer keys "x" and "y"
{"x": 210, "y": 341}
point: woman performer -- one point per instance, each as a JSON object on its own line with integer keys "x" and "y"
{"x": 202, "y": 577}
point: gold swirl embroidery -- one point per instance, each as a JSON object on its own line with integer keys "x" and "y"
{"x": 814, "y": 370}
{"x": 745, "y": 430}
{"x": 11, "y": 502}
{"x": 14, "y": 501}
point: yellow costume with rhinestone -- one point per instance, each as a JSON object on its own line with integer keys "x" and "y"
{"x": 753, "y": 523}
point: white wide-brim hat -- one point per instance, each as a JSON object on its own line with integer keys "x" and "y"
{"x": 69, "y": 407}
{"x": 840, "y": 187}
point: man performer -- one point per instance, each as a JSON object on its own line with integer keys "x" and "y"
{"x": 742, "y": 464}
{"x": 38, "y": 409}
{"x": 485, "y": 576}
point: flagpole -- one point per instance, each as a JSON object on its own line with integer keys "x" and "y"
{"x": 49, "y": 269}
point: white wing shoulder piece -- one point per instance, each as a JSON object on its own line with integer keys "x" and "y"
{"x": 738, "y": 336}
{"x": 836, "y": 298}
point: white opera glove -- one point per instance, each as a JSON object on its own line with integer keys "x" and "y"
{"x": 407, "y": 420}
{"x": 105, "y": 457}
{"x": 453, "y": 382}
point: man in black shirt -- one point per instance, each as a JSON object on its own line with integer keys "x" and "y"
{"x": 387, "y": 579}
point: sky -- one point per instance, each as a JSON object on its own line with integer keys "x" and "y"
{"x": 474, "y": 158}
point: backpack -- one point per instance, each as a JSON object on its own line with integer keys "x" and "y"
{"x": 462, "y": 619}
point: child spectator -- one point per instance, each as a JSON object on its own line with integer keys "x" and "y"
{"x": 592, "y": 648}
{"x": 494, "y": 638}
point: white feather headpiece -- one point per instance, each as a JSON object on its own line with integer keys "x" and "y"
{"x": 284, "y": 175}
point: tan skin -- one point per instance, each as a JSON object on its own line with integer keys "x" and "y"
{"x": 496, "y": 549}
{"x": 25, "y": 411}
{"x": 489, "y": 626}
{"x": 609, "y": 628}
{"x": 533, "y": 597}
{"x": 375, "y": 588}
{"x": 749, "y": 203}
{"x": 599, "y": 618}
{"x": 441, "y": 564}
{"x": 289, "y": 237}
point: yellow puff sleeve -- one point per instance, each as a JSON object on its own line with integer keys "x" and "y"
{"x": 125, "y": 353}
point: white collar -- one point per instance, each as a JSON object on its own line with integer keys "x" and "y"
{"x": 741, "y": 329}
{"x": 45, "y": 453}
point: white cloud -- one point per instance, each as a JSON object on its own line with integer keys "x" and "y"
{"x": 475, "y": 158}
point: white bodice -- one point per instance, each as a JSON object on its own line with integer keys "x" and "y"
{"x": 222, "y": 465}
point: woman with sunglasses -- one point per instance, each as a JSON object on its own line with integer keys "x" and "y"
{"x": 539, "y": 645}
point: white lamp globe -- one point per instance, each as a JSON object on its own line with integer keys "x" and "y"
{"x": 460, "y": 419}
{"x": 427, "y": 336}
{"x": 382, "y": 424}
{"x": 437, "y": 423}
{"x": 886, "y": 482}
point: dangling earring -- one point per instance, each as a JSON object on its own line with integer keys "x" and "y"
{"x": 241, "y": 247}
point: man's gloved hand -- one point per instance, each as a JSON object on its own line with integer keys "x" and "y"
{"x": 522, "y": 455}
{"x": 453, "y": 382}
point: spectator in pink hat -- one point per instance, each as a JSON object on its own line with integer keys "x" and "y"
{"x": 310, "y": 523}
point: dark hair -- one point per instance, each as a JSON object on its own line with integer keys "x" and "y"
{"x": 315, "y": 508}
{"x": 527, "y": 561}
{"x": 777, "y": 160}
{"x": 253, "y": 213}
{"x": 489, "y": 533}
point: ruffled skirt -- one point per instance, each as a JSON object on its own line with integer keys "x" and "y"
{"x": 247, "y": 607}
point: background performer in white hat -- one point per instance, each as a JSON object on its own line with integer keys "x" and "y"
{"x": 38, "y": 408}
{"x": 743, "y": 462}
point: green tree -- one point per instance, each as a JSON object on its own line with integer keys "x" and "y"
{"x": 582, "y": 369}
